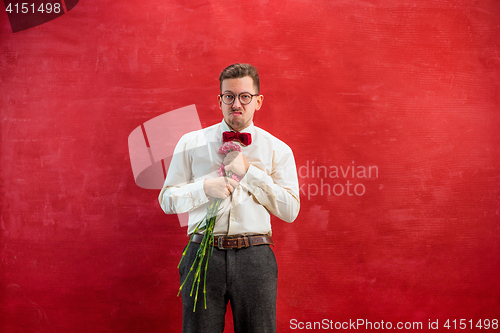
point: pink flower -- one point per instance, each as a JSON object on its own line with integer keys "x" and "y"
{"x": 222, "y": 170}
{"x": 228, "y": 147}
{"x": 225, "y": 149}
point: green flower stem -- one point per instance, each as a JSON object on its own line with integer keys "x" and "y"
{"x": 203, "y": 253}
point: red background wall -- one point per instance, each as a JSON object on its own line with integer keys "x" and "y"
{"x": 409, "y": 87}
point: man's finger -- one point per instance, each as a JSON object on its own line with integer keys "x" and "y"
{"x": 233, "y": 182}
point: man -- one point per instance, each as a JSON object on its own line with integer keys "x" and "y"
{"x": 242, "y": 268}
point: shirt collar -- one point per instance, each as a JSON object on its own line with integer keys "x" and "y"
{"x": 225, "y": 128}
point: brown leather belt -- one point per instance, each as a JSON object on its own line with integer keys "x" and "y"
{"x": 224, "y": 242}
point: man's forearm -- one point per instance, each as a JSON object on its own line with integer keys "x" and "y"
{"x": 280, "y": 199}
{"x": 182, "y": 199}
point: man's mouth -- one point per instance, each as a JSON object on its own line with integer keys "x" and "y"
{"x": 236, "y": 113}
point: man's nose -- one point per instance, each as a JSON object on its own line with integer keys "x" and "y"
{"x": 236, "y": 103}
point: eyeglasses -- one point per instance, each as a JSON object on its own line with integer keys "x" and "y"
{"x": 245, "y": 98}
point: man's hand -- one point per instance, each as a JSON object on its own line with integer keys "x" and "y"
{"x": 220, "y": 187}
{"x": 236, "y": 162}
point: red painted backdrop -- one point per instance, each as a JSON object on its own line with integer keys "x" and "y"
{"x": 408, "y": 90}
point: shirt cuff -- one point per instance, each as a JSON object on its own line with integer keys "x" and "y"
{"x": 198, "y": 193}
{"x": 253, "y": 178}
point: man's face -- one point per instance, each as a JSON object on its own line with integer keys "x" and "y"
{"x": 237, "y": 115}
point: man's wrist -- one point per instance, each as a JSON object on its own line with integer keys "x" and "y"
{"x": 252, "y": 178}
{"x": 198, "y": 192}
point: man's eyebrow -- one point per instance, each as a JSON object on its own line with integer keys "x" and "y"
{"x": 230, "y": 92}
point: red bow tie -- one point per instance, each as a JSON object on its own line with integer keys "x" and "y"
{"x": 244, "y": 138}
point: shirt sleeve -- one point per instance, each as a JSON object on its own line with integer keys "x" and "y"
{"x": 278, "y": 192}
{"x": 180, "y": 193}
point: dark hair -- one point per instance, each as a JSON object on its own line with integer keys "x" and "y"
{"x": 237, "y": 71}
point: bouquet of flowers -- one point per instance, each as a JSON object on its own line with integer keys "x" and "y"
{"x": 207, "y": 226}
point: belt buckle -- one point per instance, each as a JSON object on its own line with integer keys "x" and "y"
{"x": 220, "y": 239}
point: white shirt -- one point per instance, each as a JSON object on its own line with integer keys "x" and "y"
{"x": 270, "y": 185}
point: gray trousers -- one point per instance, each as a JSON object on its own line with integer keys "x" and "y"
{"x": 246, "y": 278}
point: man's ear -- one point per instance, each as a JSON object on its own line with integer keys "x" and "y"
{"x": 260, "y": 99}
{"x": 219, "y": 99}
